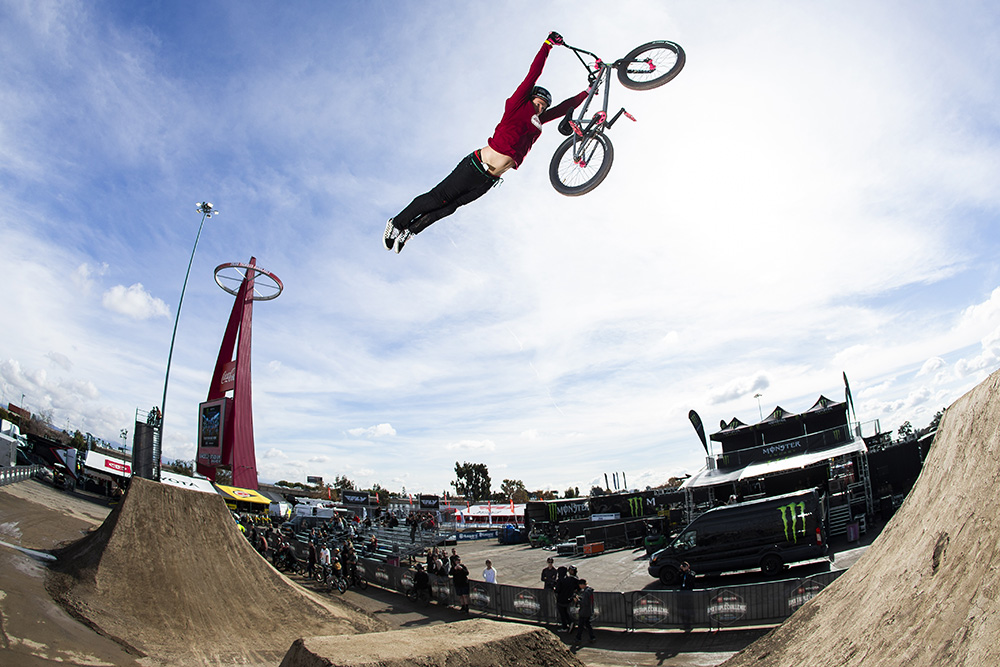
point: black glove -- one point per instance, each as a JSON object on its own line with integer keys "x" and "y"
{"x": 555, "y": 39}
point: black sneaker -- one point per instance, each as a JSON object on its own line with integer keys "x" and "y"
{"x": 391, "y": 233}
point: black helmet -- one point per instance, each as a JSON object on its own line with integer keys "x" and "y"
{"x": 543, "y": 93}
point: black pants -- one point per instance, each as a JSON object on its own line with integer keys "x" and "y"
{"x": 467, "y": 182}
{"x": 583, "y": 623}
{"x": 565, "y": 620}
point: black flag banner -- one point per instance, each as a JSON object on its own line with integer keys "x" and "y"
{"x": 699, "y": 429}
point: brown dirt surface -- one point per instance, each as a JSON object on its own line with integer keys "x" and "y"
{"x": 461, "y": 644}
{"x": 169, "y": 576}
{"x": 927, "y": 592}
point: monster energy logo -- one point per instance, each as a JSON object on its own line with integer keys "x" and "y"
{"x": 553, "y": 516}
{"x": 791, "y": 514}
{"x": 635, "y": 506}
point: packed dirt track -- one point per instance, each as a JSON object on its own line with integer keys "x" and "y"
{"x": 461, "y": 644}
{"x": 927, "y": 592}
{"x": 168, "y": 576}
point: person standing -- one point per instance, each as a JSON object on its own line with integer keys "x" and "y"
{"x": 566, "y": 588}
{"x": 687, "y": 595}
{"x": 489, "y": 574}
{"x": 460, "y": 577}
{"x": 549, "y": 575}
{"x": 586, "y": 597}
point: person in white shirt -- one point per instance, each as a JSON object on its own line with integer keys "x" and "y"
{"x": 489, "y": 574}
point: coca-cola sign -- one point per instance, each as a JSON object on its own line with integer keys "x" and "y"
{"x": 228, "y": 380}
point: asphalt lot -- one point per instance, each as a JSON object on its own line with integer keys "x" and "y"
{"x": 625, "y": 570}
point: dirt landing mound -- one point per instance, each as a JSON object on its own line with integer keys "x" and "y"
{"x": 472, "y": 643}
{"x": 927, "y": 592}
{"x": 169, "y": 575}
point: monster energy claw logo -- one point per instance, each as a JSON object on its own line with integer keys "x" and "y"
{"x": 635, "y": 506}
{"x": 792, "y": 513}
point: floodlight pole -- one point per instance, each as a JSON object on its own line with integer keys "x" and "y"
{"x": 207, "y": 211}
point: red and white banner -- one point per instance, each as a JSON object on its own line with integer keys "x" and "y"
{"x": 108, "y": 465}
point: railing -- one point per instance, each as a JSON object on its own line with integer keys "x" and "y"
{"x": 18, "y": 473}
{"x": 766, "y": 603}
{"x": 812, "y": 442}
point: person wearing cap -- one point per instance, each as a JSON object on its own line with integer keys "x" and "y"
{"x": 525, "y": 112}
{"x": 549, "y": 574}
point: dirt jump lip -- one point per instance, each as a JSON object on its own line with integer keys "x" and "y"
{"x": 926, "y": 591}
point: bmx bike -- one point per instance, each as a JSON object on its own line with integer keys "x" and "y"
{"x": 583, "y": 161}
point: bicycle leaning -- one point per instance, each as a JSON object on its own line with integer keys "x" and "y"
{"x": 582, "y": 161}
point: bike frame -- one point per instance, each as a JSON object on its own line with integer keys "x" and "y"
{"x": 599, "y": 123}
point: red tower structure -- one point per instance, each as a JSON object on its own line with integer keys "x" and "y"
{"x": 225, "y": 423}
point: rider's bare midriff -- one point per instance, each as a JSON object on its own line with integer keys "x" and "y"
{"x": 496, "y": 163}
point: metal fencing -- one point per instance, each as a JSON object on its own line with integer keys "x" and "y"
{"x": 17, "y": 474}
{"x": 751, "y": 604}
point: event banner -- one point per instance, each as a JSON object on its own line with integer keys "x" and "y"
{"x": 430, "y": 502}
{"x": 354, "y": 497}
{"x": 212, "y": 431}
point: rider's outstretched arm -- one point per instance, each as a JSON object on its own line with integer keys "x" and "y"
{"x": 559, "y": 110}
{"x": 537, "y": 65}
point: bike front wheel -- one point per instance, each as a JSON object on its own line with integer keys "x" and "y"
{"x": 651, "y": 65}
{"x": 573, "y": 176}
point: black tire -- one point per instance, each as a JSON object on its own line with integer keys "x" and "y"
{"x": 669, "y": 575}
{"x": 572, "y": 180}
{"x": 771, "y": 565}
{"x": 341, "y": 584}
{"x": 651, "y": 65}
{"x": 362, "y": 582}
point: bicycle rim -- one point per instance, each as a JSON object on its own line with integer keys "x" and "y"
{"x": 651, "y": 65}
{"x": 575, "y": 172}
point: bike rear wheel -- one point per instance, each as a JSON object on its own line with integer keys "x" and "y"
{"x": 574, "y": 178}
{"x": 651, "y": 65}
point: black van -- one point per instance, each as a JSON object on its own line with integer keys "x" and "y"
{"x": 764, "y": 533}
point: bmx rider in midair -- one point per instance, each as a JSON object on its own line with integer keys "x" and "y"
{"x": 525, "y": 112}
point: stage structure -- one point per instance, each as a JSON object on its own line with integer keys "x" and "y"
{"x": 225, "y": 422}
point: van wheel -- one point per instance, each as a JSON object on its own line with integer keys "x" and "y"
{"x": 668, "y": 575}
{"x": 771, "y": 565}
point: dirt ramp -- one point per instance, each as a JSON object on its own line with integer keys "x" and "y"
{"x": 473, "y": 643}
{"x": 169, "y": 575}
{"x": 927, "y": 592}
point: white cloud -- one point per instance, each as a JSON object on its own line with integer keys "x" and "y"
{"x": 472, "y": 445}
{"x": 372, "y": 432}
{"x": 134, "y": 302}
{"x": 931, "y": 365}
{"x": 739, "y": 388}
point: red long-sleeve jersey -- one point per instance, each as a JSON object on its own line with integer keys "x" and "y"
{"x": 520, "y": 126}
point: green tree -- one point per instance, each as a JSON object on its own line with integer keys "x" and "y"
{"x": 78, "y": 441}
{"x": 596, "y": 491}
{"x": 905, "y": 431}
{"x": 510, "y": 486}
{"x": 936, "y": 421}
{"x": 341, "y": 482}
{"x": 572, "y": 492}
{"x": 180, "y": 467}
{"x": 472, "y": 481}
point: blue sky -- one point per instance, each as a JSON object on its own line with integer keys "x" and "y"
{"x": 814, "y": 194}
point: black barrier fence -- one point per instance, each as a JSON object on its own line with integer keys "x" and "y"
{"x": 749, "y": 604}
